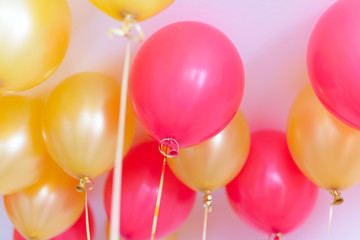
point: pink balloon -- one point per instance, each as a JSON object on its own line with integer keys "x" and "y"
{"x": 140, "y": 185}
{"x": 270, "y": 192}
{"x": 77, "y": 231}
{"x": 334, "y": 61}
{"x": 186, "y": 82}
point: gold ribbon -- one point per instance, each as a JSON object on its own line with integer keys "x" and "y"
{"x": 158, "y": 200}
{"x": 125, "y": 30}
{"x": 86, "y": 184}
{"x": 207, "y": 203}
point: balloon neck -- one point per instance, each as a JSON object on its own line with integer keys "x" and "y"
{"x": 85, "y": 184}
{"x": 207, "y": 200}
{"x": 169, "y": 147}
{"x": 277, "y": 236}
{"x": 337, "y": 198}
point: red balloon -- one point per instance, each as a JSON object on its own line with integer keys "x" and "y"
{"x": 77, "y": 231}
{"x": 270, "y": 192}
{"x": 333, "y": 59}
{"x": 186, "y": 82}
{"x": 140, "y": 185}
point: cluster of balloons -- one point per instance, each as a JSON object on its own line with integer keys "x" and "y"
{"x": 186, "y": 84}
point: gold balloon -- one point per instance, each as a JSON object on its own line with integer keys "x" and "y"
{"x": 47, "y": 208}
{"x": 80, "y": 124}
{"x": 325, "y": 149}
{"x": 214, "y": 163}
{"x": 139, "y": 9}
{"x": 22, "y": 149}
{"x": 35, "y": 35}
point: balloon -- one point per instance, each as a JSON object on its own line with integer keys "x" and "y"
{"x": 173, "y": 236}
{"x": 270, "y": 192}
{"x": 76, "y": 232}
{"x": 186, "y": 83}
{"x": 140, "y": 184}
{"x": 215, "y": 162}
{"x": 325, "y": 149}
{"x": 333, "y": 61}
{"x": 80, "y": 124}
{"x": 47, "y": 208}
{"x": 35, "y": 36}
{"x": 139, "y": 9}
{"x": 22, "y": 149}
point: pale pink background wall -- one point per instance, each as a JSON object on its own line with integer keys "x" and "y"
{"x": 271, "y": 36}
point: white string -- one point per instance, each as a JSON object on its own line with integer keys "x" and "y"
{"x": 117, "y": 178}
{"x": 205, "y": 221}
{"x": 330, "y": 219}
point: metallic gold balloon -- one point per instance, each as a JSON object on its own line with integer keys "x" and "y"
{"x": 22, "y": 149}
{"x": 325, "y": 149}
{"x": 214, "y": 163}
{"x": 35, "y": 35}
{"x": 47, "y": 208}
{"x": 80, "y": 124}
{"x": 139, "y": 9}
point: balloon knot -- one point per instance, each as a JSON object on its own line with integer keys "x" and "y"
{"x": 337, "y": 198}
{"x": 207, "y": 200}
{"x": 277, "y": 236}
{"x": 85, "y": 184}
{"x": 125, "y": 30}
{"x": 169, "y": 147}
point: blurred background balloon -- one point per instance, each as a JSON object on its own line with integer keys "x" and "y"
{"x": 139, "y": 9}
{"x": 212, "y": 164}
{"x": 80, "y": 124}
{"x": 270, "y": 192}
{"x": 75, "y": 232}
{"x": 186, "y": 82}
{"x": 22, "y": 148}
{"x": 333, "y": 58}
{"x": 35, "y": 35}
{"x": 140, "y": 185}
{"x": 325, "y": 149}
{"x": 48, "y": 207}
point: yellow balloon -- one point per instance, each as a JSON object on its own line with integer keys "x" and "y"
{"x": 22, "y": 149}
{"x": 80, "y": 124}
{"x": 139, "y": 9}
{"x": 212, "y": 164}
{"x": 47, "y": 208}
{"x": 325, "y": 149}
{"x": 35, "y": 35}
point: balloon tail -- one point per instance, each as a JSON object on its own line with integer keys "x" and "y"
{"x": 207, "y": 203}
{"x": 158, "y": 200}
{"x": 124, "y": 30}
{"x": 337, "y": 200}
{"x": 86, "y": 184}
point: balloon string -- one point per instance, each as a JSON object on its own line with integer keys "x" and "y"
{"x": 117, "y": 177}
{"x": 330, "y": 219}
{"x": 158, "y": 200}
{"x": 87, "y": 216}
{"x": 205, "y": 222}
{"x": 124, "y": 30}
{"x": 207, "y": 203}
